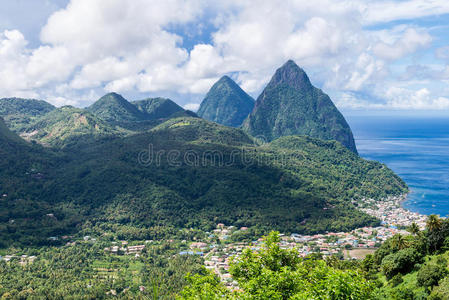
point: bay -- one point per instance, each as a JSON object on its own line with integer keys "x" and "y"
{"x": 416, "y": 148}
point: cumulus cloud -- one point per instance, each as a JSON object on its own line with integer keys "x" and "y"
{"x": 401, "y": 98}
{"x": 410, "y": 41}
{"x": 96, "y": 46}
{"x": 386, "y": 11}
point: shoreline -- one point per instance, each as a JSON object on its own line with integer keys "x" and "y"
{"x": 391, "y": 212}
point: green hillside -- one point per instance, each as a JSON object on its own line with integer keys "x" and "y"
{"x": 188, "y": 172}
{"x": 226, "y": 103}
{"x": 19, "y": 113}
{"x": 157, "y": 108}
{"x": 113, "y": 107}
{"x": 25, "y": 169}
{"x": 67, "y": 125}
{"x": 291, "y": 105}
{"x": 137, "y": 116}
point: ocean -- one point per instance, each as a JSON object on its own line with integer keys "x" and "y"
{"x": 415, "y": 147}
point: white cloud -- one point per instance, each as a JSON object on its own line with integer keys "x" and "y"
{"x": 410, "y": 41}
{"x": 365, "y": 68}
{"x": 93, "y": 46}
{"x": 396, "y": 98}
{"x": 192, "y": 106}
{"x": 386, "y": 11}
{"x": 400, "y": 98}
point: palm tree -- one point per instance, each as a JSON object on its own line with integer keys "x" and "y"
{"x": 399, "y": 242}
{"x": 433, "y": 223}
{"x": 414, "y": 228}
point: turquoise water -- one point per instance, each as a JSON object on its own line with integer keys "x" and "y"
{"x": 416, "y": 148}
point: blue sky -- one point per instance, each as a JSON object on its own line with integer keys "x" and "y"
{"x": 367, "y": 55}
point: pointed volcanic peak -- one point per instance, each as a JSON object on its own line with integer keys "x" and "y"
{"x": 291, "y": 105}
{"x": 226, "y": 103}
{"x": 157, "y": 108}
{"x": 113, "y": 108}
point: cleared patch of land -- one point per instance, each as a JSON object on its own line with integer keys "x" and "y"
{"x": 359, "y": 253}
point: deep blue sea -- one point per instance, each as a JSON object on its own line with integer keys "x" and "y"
{"x": 416, "y": 148}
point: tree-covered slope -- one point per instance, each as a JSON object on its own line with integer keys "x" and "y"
{"x": 291, "y": 105}
{"x": 67, "y": 125}
{"x": 19, "y": 113}
{"x": 7, "y": 136}
{"x": 25, "y": 169}
{"x": 113, "y": 107}
{"x": 137, "y": 116}
{"x": 188, "y": 172}
{"x": 226, "y": 103}
{"x": 157, "y": 108}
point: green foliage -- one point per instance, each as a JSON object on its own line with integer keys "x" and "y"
{"x": 85, "y": 271}
{"x": 68, "y": 125}
{"x": 136, "y": 116}
{"x": 402, "y": 262}
{"x": 204, "y": 286}
{"x": 441, "y": 292}
{"x": 430, "y": 274}
{"x": 275, "y": 273}
{"x": 396, "y": 280}
{"x": 226, "y": 103}
{"x": 157, "y": 108}
{"x": 290, "y": 105}
{"x": 19, "y": 113}
{"x": 113, "y": 107}
{"x": 306, "y": 188}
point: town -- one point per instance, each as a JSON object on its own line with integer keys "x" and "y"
{"x": 219, "y": 247}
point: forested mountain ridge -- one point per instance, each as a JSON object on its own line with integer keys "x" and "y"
{"x": 291, "y": 105}
{"x": 67, "y": 125}
{"x": 188, "y": 172}
{"x": 19, "y": 113}
{"x": 113, "y": 107}
{"x": 226, "y": 103}
{"x": 157, "y": 108}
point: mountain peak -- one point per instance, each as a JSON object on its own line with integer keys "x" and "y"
{"x": 226, "y": 103}
{"x": 112, "y": 107}
{"x": 226, "y": 79}
{"x": 112, "y": 97}
{"x": 292, "y": 75}
{"x": 157, "y": 108}
{"x": 291, "y": 105}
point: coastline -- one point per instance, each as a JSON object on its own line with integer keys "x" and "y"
{"x": 392, "y": 213}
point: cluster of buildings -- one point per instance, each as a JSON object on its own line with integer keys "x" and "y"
{"x": 390, "y": 212}
{"x": 125, "y": 249}
{"x": 22, "y": 259}
{"x": 345, "y": 244}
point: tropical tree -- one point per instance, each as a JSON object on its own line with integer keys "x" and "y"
{"x": 433, "y": 223}
{"x": 399, "y": 242}
{"x": 276, "y": 273}
{"x": 414, "y": 229}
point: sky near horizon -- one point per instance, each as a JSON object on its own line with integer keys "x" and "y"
{"x": 368, "y": 55}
